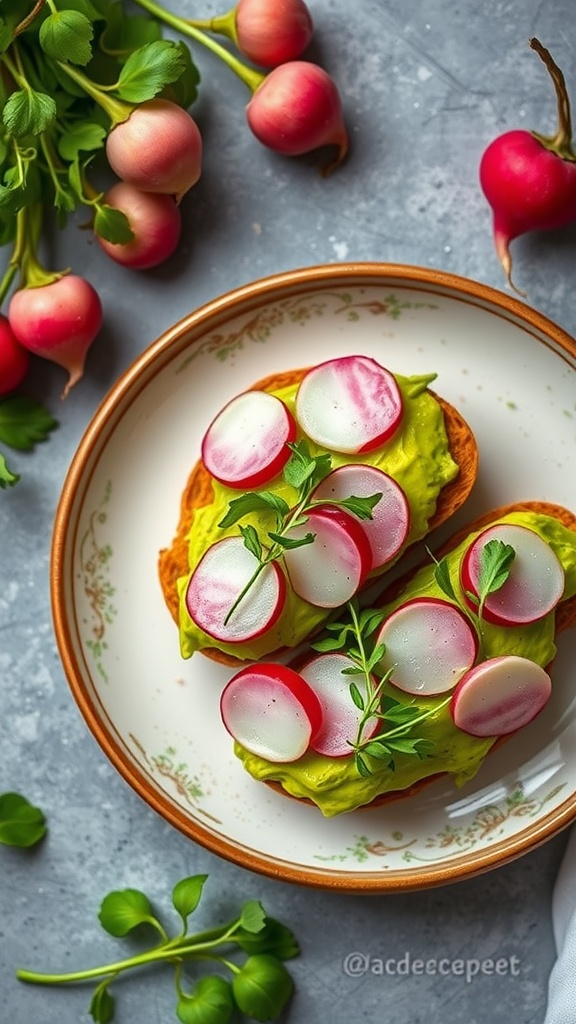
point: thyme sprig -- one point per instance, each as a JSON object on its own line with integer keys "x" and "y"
{"x": 303, "y": 471}
{"x": 355, "y": 638}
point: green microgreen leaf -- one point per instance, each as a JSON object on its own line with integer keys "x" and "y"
{"x": 290, "y": 543}
{"x": 7, "y": 477}
{"x": 442, "y": 577}
{"x": 357, "y": 697}
{"x": 302, "y": 467}
{"x": 262, "y": 987}
{"x": 496, "y": 559}
{"x": 67, "y": 36}
{"x": 149, "y": 69}
{"x": 362, "y": 507}
{"x": 253, "y": 501}
{"x": 211, "y": 1002}
{"x": 112, "y": 225}
{"x": 21, "y": 824}
{"x": 274, "y": 937}
{"x": 24, "y": 422}
{"x": 252, "y": 541}
{"x": 27, "y": 112}
{"x": 187, "y": 894}
{"x": 102, "y": 1005}
{"x": 124, "y": 910}
{"x": 253, "y": 916}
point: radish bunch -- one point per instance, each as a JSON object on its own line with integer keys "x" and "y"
{"x": 343, "y": 526}
{"x": 529, "y": 179}
{"x": 426, "y": 647}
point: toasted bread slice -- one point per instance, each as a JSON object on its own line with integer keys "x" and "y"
{"x": 565, "y": 617}
{"x": 198, "y": 492}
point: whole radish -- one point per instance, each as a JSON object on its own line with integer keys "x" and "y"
{"x": 58, "y": 321}
{"x": 268, "y": 32}
{"x": 157, "y": 149}
{"x": 530, "y": 179}
{"x": 14, "y": 359}
{"x": 155, "y": 221}
{"x": 296, "y": 109}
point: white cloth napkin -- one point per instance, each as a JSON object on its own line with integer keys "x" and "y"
{"x": 562, "y": 984}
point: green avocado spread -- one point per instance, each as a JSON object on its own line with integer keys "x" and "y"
{"x": 417, "y": 456}
{"x": 335, "y": 785}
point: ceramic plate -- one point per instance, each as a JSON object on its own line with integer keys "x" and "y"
{"x": 512, "y": 374}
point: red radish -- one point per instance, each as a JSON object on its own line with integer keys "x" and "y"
{"x": 430, "y": 644}
{"x": 58, "y": 321}
{"x": 340, "y": 716}
{"x": 267, "y": 33}
{"x": 218, "y": 580}
{"x": 246, "y": 445}
{"x": 530, "y": 179}
{"x": 388, "y": 529}
{"x": 155, "y": 221}
{"x": 271, "y": 711}
{"x": 296, "y": 109}
{"x": 14, "y": 359}
{"x": 500, "y": 695}
{"x": 350, "y": 404}
{"x": 329, "y": 571}
{"x": 535, "y": 584}
{"x": 158, "y": 148}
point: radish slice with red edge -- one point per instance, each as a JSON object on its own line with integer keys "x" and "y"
{"x": 246, "y": 445}
{"x": 217, "y": 581}
{"x": 500, "y": 695}
{"x": 340, "y": 716}
{"x": 388, "y": 529}
{"x": 330, "y": 570}
{"x": 429, "y": 643}
{"x": 271, "y": 711}
{"x": 350, "y": 404}
{"x": 535, "y": 584}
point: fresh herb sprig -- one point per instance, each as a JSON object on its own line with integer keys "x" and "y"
{"x": 21, "y": 824}
{"x": 259, "y": 987}
{"x": 496, "y": 560}
{"x": 303, "y": 471}
{"x": 355, "y": 638}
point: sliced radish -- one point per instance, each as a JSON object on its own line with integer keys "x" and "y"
{"x": 429, "y": 643}
{"x": 271, "y": 711}
{"x": 351, "y": 404}
{"x": 341, "y": 717}
{"x": 390, "y": 523}
{"x": 535, "y": 584}
{"x": 329, "y": 571}
{"x": 246, "y": 445}
{"x": 217, "y": 581}
{"x": 500, "y": 695}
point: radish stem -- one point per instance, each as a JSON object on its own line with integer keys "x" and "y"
{"x": 561, "y": 142}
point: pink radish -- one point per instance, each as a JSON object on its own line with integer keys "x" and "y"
{"x": 267, "y": 33}
{"x": 14, "y": 359}
{"x": 223, "y": 572}
{"x": 158, "y": 148}
{"x": 271, "y": 711}
{"x": 340, "y": 716}
{"x": 429, "y": 643}
{"x": 246, "y": 445}
{"x": 330, "y": 570}
{"x": 350, "y": 404}
{"x": 500, "y": 695}
{"x": 388, "y": 528}
{"x": 529, "y": 179}
{"x": 534, "y": 586}
{"x": 296, "y": 109}
{"x": 155, "y": 220}
{"x": 58, "y": 321}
